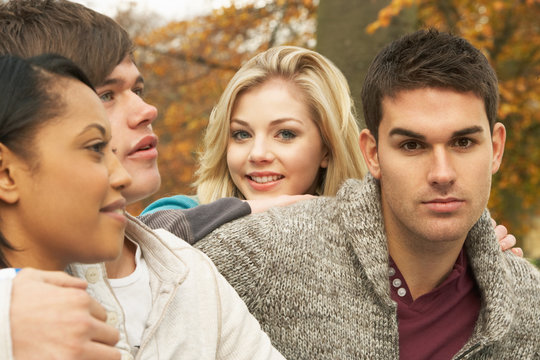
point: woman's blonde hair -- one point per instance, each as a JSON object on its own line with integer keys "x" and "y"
{"x": 327, "y": 95}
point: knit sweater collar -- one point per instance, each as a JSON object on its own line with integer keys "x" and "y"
{"x": 362, "y": 223}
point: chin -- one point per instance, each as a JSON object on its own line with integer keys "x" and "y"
{"x": 141, "y": 188}
{"x": 447, "y": 234}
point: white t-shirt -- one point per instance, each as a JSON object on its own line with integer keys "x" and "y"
{"x": 135, "y": 296}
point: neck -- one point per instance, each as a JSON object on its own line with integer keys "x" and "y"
{"x": 25, "y": 258}
{"x": 27, "y": 252}
{"x": 124, "y": 265}
{"x": 423, "y": 265}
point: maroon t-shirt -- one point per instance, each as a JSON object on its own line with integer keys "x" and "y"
{"x": 438, "y": 324}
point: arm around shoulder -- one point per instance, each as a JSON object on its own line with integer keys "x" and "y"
{"x": 193, "y": 224}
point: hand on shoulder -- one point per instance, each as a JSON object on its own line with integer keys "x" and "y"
{"x": 52, "y": 315}
{"x": 262, "y": 205}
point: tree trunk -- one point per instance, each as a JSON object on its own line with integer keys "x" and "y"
{"x": 341, "y": 37}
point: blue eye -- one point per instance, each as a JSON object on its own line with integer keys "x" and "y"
{"x": 286, "y": 134}
{"x": 240, "y": 135}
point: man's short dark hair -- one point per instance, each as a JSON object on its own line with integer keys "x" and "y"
{"x": 428, "y": 59}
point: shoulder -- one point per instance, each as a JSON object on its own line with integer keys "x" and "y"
{"x": 523, "y": 286}
{"x": 171, "y": 203}
{"x": 302, "y": 218}
{"x": 524, "y": 272}
{"x": 523, "y": 302}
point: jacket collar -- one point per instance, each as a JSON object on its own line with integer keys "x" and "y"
{"x": 157, "y": 252}
{"x": 494, "y": 279}
{"x": 361, "y": 219}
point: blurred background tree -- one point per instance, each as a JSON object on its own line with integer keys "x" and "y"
{"x": 188, "y": 63}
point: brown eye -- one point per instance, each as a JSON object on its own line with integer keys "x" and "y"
{"x": 97, "y": 147}
{"x": 411, "y": 145}
{"x": 463, "y": 142}
{"x": 139, "y": 92}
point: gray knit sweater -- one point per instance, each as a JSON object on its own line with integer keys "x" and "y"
{"x": 315, "y": 275}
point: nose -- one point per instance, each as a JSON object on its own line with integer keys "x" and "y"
{"x": 442, "y": 171}
{"x": 119, "y": 178}
{"x": 260, "y": 151}
{"x": 142, "y": 113}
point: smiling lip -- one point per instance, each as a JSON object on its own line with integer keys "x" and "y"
{"x": 264, "y": 181}
{"x": 145, "y": 148}
{"x": 445, "y": 205}
{"x": 116, "y": 210}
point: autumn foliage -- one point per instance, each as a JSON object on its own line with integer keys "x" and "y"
{"x": 187, "y": 64}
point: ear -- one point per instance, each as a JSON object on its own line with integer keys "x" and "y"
{"x": 9, "y": 192}
{"x": 368, "y": 146}
{"x": 324, "y": 161}
{"x": 498, "y": 139}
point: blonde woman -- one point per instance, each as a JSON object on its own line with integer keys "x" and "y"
{"x": 275, "y": 110}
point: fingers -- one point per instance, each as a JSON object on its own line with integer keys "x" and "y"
{"x": 58, "y": 278}
{"x": 99, "y": 330}
{"x": 53, "y": 316}
{"x": 104, "y": 333}
{"x": 507, "y": 242}
{"x": 97, "y": 311}
{"x": 102, "y": 352}
{"x": 517, "y": 251}
{"x": 501, "y": 232}
{"x": 284, "y": 200}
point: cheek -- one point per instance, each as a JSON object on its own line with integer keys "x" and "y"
{"x": 305, "y": 160}
{"x": 120, "y": 133}
{"x": 95, "y": 183}
{"x": 479, "y": 175}
{"x": 235, "y": 159}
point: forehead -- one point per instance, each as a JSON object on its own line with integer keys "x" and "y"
{"x": 82, "y": 106}
{"x": 430, "y": 110}
{"x": 126, "y": 72}
{"x": 276, "y": 86}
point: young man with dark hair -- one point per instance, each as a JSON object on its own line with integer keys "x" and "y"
{"x": 403, "y": 264}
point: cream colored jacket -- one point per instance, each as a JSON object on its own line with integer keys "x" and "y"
{"x": 196, "y": 314}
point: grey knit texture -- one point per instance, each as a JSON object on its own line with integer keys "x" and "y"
{"x": 315, "y": 275}
{"x": 191, "y": 225}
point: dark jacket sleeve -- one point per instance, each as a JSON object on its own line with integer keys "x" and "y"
{"x": 195, "y": 223}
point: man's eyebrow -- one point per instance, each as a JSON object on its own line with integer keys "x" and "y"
{"x": 408, "y": 133}
{"x": 468, "y": 131}
{"x": 116, "y": 81}
{"x": 458, "y": 133}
